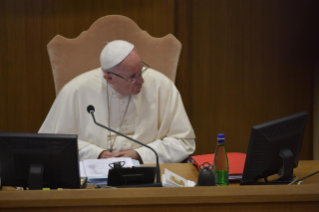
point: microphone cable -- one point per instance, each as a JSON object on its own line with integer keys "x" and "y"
{"x": 300, "y": 181}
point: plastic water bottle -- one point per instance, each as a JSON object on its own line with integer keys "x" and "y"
{"x": 220, "y": 167}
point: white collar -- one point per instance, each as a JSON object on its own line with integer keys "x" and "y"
{"x": 113, "y": 92}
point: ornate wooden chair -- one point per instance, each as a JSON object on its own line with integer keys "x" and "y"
{"x": 72, "y": 57}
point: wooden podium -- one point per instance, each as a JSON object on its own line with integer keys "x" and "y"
{"x": 281, "y": 198}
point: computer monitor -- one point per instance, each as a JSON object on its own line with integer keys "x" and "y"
{"x": 39, "y": 160}
{"x": 274, "y": 148}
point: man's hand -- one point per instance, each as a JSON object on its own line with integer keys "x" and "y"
{"x": 127, "y": 153}
{"x": 107, "y": 154}
{"x": 131, "y": 153}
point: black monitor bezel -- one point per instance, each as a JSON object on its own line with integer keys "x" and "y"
{"x": 9, "y": 172}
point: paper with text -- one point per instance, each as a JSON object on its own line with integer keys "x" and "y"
{"x": 171, "y": 179}
{"x": 99, "y": 168}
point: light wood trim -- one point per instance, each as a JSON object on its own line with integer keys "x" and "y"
{"x": 247, "y": 207}
{"x": 155, "y": 196}
{"x": 308, "y": 192}
{"x": 316, "y": 115}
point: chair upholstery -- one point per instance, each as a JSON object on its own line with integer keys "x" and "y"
{"x": 72, "y": 57}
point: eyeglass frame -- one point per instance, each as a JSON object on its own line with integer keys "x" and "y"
{"x": 132, "y": 81}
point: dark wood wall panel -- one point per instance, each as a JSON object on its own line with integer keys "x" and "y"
{"x": 27, "y": 87}
{"x": 242, "y": 63}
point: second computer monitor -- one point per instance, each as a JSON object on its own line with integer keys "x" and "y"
{"x": 274, "y": 148}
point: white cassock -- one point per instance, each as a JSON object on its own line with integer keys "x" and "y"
{"x": 156, "y": 117}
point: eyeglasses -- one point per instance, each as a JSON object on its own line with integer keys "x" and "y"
{"x": 133, "y": 79}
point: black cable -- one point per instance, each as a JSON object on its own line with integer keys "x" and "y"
{"x": 308, "y": 176}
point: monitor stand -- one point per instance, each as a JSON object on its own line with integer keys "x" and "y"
{"x": 36, "y": 177}
{"x": 287, "y": 169}
{"x": 286, "y": 172}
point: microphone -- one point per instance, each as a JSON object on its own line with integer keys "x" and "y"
{"x": 90, "y": 109}
{"x": 158, "y": 183}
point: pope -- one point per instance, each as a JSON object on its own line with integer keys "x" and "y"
{"x": 128, "y": 97}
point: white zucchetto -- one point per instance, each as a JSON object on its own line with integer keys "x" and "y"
{"x": 114, "y": 53}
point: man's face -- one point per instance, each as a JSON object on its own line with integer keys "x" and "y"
{"x": 129, "y": 68}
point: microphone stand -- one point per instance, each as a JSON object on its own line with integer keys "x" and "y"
{"x": 158, "y": 171}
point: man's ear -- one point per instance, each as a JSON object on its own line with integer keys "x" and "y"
{"x": 108, "y": 77}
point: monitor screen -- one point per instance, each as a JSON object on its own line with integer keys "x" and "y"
{"x": 274, "y": 148}
{"x": 43, "y": 160}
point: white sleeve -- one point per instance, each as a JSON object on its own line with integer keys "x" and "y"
{"x": 63, "y": 119}
{"x": 169, "y": 150}
{"x": 177, "y": 139}
{"x": 88, "y": 150}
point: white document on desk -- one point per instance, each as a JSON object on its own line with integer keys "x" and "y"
{"x": 170, "y": 179}
{"x": 99, "y": 168}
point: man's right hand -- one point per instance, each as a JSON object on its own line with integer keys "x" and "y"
{"x": 107, "y": 154}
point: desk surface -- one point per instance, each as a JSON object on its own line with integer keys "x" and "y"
{"x": 233, "y": 197}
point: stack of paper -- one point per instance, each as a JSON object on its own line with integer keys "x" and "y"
{"x": 170, "y": 179}
{"x": 97, "y": 170}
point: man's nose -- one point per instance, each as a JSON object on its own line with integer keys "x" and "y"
{"x": 140, "y": 80}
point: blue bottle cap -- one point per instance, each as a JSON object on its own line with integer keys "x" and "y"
{"x": 220, "y": 136}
